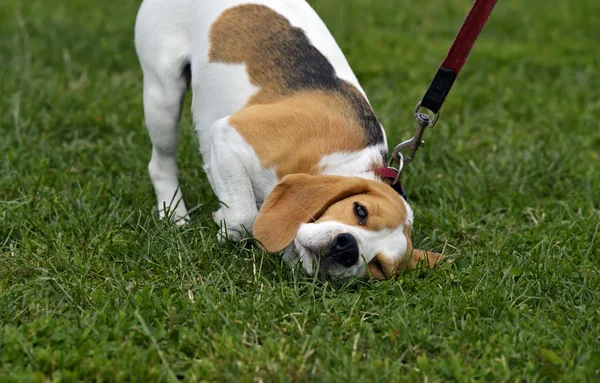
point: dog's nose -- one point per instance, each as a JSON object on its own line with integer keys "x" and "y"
{"x": 344, "y": 250}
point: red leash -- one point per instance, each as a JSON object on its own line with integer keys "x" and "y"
{"x": 443, "y": 81}
{"x": 468, "y": 33}
{"x": 457, "y": 55}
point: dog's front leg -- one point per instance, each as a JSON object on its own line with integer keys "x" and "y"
{"x": 229, "y": 168}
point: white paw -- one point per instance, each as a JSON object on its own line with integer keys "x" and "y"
{"x": 232, "y": 227}
{"x": 181, "y": 221}
{"x": 219, "y": 216}
{"x": 179, "y": 215}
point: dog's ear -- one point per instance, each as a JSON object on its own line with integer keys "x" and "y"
{"x": 297, "y": 199}
{"x": 381, "y": 267}
{"x": 419, "y": 255}
{"x": 414, "y": 256}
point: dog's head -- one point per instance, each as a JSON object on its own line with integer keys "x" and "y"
{"x": 340, "y": 226}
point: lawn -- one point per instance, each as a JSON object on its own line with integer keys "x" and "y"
{"x": 94, "y": 288}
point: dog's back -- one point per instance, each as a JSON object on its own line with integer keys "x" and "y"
{"x": 215, "y": 39}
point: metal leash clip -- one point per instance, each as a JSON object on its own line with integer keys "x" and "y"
{"x": 414, "y": 143}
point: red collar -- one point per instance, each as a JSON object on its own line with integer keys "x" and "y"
{"x": 391, "y": 174}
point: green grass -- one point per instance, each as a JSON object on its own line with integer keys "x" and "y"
{"x": 94, "y": 287}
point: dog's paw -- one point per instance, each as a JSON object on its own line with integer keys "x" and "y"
{"x": 231, "y": 228}
{"x": 218, "y": 216}
{"x": 179, "y": 218}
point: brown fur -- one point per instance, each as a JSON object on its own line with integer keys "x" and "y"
{"x": 386, "y": 210}
{"x": 241, "y": 35}
{"x": 301, "y": 111}
{"x": 295, "y": 133}
{"x": 382, "y": 267}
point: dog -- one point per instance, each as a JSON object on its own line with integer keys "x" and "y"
{"x": 289, "y": 140}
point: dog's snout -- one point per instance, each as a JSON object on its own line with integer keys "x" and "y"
{"x": 344, "y": 250}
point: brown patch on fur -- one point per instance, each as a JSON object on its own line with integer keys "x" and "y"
{"x": 242, "y": 35}
{"x": 295, "y": 133}
{"x": 302, "y": 110}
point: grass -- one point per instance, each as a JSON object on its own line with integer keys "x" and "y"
{"x": 94, "y": 287}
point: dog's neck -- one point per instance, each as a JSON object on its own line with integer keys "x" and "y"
{"x": 357, "y": 164}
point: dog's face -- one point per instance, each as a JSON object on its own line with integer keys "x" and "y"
{"x": 340, "y": 226}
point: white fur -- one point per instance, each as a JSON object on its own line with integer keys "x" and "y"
{"x": 409, "y": 214}
{"x": 238, "y": 179}
{"x": 353, "y": 164}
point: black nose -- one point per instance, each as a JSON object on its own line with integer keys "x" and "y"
{"x": 344, "y": 250}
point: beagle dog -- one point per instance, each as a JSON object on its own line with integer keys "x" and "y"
{"x": 287, "y": 135}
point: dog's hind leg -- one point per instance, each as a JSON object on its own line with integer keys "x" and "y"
{"x": 164, "y": 91}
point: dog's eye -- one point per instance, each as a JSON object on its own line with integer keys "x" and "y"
{"x": 361, "y": 213}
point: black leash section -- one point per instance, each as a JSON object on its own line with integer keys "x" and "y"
{"x": 443, "y": 80}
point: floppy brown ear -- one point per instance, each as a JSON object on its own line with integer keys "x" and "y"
{"x": 381, "y": 267}
{"x": 297, "y": 199}
{"x": 431, "y": 257}
{"x": 414, "y": 256}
